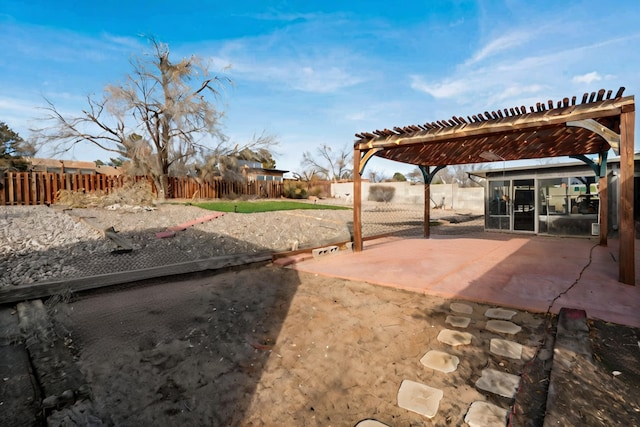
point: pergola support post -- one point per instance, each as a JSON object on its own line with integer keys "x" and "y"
{"x": 603, "y": 196}
{"x": 357, "y": 202}
{"x": 627, "y": 226}
{"x": 428, "y": 175}
{"x": 604, "y": 209}
{"x": 427, "y": 210}
{"x": 600, "y": 170}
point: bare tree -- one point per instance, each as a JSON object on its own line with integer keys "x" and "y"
{"x": 455, "y": 174}
{"x": 329, "y": 164}
{"x": 307, "y": 176}
{"x": 376, "y": 176}
{"x": 161, "y": 115}
{"x": 458, "y": 174}
{"x": 415, "y": 176}
{"x": 226, "y": 161}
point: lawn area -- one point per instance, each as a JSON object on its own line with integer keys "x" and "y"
{"x": 263, "y": 206}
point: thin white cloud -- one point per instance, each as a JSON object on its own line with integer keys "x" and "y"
{"x": 324, "y": 71}
{"x": 356, "y": 116}
{"x": 275, "y": 15}
{"x": 448, "y": 88}
{"x": 587, "y": 78}
{"x": 19, "y": 114}
{"x": 285, "y": 74}
{"x": 59, "y": 45}
{"x": 368, "y": 115}
{"x": 516, "y": 76}
{"x": 304, "y": 55}
{"x": 516, "y": 91}
{"x": 501, "y": 44}
{"x": 15, "y": 104}
{"x": 132, "y": 43}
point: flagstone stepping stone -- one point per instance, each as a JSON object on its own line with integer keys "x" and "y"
{"x": 506, "y": 348}
{"x": 458, "y": 321}
{"x": 503, "y": 326}
{"x": 500, "y": 383}
{"x": 419, "y": 398}
{"x": 440, "y": 361}
{"x": 458, "y": 307}
{"x": 371, "y": 423}
{"x": 485, "y": 414}
{"x": 454, "y": 338}
{"x": 500, "y": 313}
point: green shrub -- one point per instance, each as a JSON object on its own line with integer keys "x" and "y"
{"x": 316, "y": 191}
{"x": 381, "y": 193}
{"x": 295, "y": 190}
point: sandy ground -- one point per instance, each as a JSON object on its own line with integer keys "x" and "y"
{"x": 269, "y": 346}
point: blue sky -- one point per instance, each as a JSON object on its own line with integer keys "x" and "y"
{"x": 312, "y": 72}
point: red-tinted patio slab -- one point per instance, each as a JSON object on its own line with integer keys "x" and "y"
{"x": 526, "y": 272}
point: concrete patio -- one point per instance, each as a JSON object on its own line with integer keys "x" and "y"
{"x": 527, "y": 272}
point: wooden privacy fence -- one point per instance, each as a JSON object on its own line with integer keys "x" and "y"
{"x": 38, "y": 188}
{"x": 187, "y": 188}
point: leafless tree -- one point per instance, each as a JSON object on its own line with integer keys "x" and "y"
{"x": 455, "y": 174}
{"x": 415, "y": 176}
{"x": 162, "y": 115}
{"x": 329, "y": 164}
{"x": 376, "y": 176}
{"x": 458, "y": 174}
{"x": 307, "y": 176}
{"x": 226, "y": 160}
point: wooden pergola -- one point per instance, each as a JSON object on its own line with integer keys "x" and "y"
{"x": 598, "y": 123}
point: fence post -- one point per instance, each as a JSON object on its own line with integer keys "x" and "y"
{"x": 47, "y": 187}
{"x": 3, "y": 189}
{"x": 41, "y": 193}
{"x": 18, "y": 188}
{"x": 11, "y": 190}
{"x": 31, "y": 178}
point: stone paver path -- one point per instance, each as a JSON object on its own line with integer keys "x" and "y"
{"x": 419, "y": 398}
{"x": 425, "y": 400}
{"x": 454, "y": 338}
{"x": 506, "y": 348}
{"x": 371, "y": 423}
{"x": 440, "y": 361}
{"x": 484, "y": 414}
{"x": 458, "y": 321}
{"x": 500, "y": 383}
{"x": 500, "y": 313}
{"x": 458, "y": 307}
{"x": 503, "y": 327}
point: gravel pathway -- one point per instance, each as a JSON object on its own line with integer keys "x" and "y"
{"x": 40, "y": 243}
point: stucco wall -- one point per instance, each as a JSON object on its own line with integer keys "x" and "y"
{"x": 470, "y": 199}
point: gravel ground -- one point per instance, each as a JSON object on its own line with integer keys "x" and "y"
{"x": 42, "y": 243}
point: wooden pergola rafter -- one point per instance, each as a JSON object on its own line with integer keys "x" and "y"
{"x": 600, "y": 122}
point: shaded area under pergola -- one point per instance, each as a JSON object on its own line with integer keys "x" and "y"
{"x": 599, "y": 123}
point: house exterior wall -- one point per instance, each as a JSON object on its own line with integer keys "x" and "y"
{"x": 566, "y": 198}
{"x": 468, "y": 199}
{"x": 260, "y": 174}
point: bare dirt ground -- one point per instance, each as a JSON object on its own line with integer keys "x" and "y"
{"x": 266, "y": 346}
{"x": 269, "y": 346}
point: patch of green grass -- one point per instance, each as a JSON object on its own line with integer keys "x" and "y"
{"x": 263, "y": 206}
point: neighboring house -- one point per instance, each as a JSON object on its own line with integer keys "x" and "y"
{"x": 555, "y": 199}
{"x": 254, "y": 171}
{"x": 71, "y": 167}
